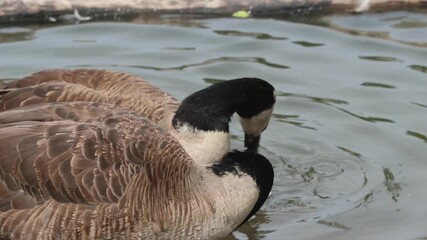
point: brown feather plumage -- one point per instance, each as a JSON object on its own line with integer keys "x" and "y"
{"x": 102, "y": 86}
{"x": 78, "y": 171}
{"x": 92, "y": 154}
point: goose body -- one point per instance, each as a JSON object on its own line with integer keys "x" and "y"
{"x": 200, "y": 122}
{"x": 116, "y": 175}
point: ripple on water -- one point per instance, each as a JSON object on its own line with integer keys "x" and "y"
{"x": 322, "y": 100}
{"x": 253, "y": 229}
{"x": 403, "y": 28}
{"x": 417, "y": 135}
{"x": 379, "y": 85}
{"x": 419, "y": 104}
{"x": 380, "y": 58}
{"x": 208, "y": 62}
{"x": 392, "y": 187}
{"x": 179, "y": 48}
{"x": 256, "y": 35}
{"x": 371, "y": 119}
{"x": 318, "y": 184}
{"x": 308, "y": 44}
{"x": 292, "y": 119}
{"x": 334, "y": 224}
{"x": 332, "y": 170}
{"x": 332, "y": 102}
{"x": 419, "y": 68}
{"x": 410, "y": 24}
{"x": 13, "y": 34}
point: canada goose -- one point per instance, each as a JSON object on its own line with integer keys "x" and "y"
{"x": 200, "y": 122}
{"x": 117, "y": 175}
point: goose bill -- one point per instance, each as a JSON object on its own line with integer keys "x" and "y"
{"x": 253, "y": 127}
{"x": 252, "y": 143}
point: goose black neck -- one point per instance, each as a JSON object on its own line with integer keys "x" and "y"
{"x": 210, "y": 109}
{"x": 253, "y": 164}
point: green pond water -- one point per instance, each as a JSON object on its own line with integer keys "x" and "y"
{"x": 348, "y": 138}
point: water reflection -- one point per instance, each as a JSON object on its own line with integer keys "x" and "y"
{"x": 352, "y": 153}
{"x": 368, "y": 118}
{"x": 326, "y": 101}
{"x": 317, "y": 181}
{"x": 419, "y": 68}
{"x": 317, "y": 194}
{"x": 13, "y": 34}
{"x": 410, "y": 24}
{"x": 183, "y": 20}
{"x": 380, "y": 85}
{"x": 390, "y": 19}
{"x": 419, "y": 104}
{"x": 368, "y": 198}
{"x": 296, "y": 121}
{"x": 392, "y": 187}
{"x": 256, "y": 35}
{"x": 85, "y": 41}
{"x": 252, "y": 229}
{"x": 330, "y": 102}
{"x": 417, "y": 135}
{"x": 308, "y": 175}
{"x": 399, "y": 26}
{"x": 258, "y": 60}
{"x": 308, "y": 44}
{"x": 380, "y": 58}
{"x": 332, "y": 166}
{"x": 179, "y": 48}
{"x": 333, "y": 224}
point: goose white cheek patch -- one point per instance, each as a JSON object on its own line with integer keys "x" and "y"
{"x": 255, "y": 125}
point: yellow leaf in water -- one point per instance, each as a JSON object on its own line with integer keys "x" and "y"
{"x": 242, "y": 14}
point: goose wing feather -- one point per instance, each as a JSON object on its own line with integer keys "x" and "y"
{"x": 74, "y": 111}
{"x": 100, "y": 86}
{"x": 91, "y": 162}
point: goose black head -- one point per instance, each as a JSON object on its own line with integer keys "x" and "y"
{"x": 256, "y": 111}
{"x": 210, "y": 109}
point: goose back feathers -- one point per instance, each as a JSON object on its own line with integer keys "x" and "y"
{"x": 89, "y": 154}
{"x": 116, "y": 175}
{"x": 200, "y": 123}
{"x": 102, "y": 86}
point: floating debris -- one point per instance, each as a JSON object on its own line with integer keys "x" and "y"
{"x": 391, "y": 186}
{"x": 334, "y": 224}
{"x": 242, "y": 14}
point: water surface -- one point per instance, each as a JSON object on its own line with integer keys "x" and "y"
{"x": 348, "y": 139}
